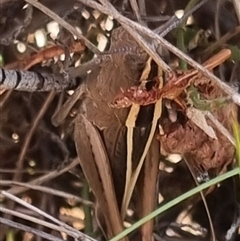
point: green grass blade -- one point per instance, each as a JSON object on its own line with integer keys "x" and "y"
{"x": 236, "y": 131}
{"x": 176, "y": 201}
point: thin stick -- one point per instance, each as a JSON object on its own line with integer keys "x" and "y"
{"x": 139, "y": 39}
{"x": 47, "y": 190}
{"x": 173, "y": 24}
{"x": 136, "y": 11}
{"x": 37, "y": 221}
{"x": 132, "y": 177}
{"x": 44, "y": 178}
{"x": 203, "y": 200}
{"x": 221, "y": 41}
{"x": 29, "y": 229}
{"x": 236, "y": 4}
{"x": 63, "y": 23}
{"x": 220, "y": 127}
{"x": 31, "y": 207}
{"x": 29, "y": 136}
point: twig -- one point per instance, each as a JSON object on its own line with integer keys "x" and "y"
{"x": 136, "y": 11}
{"x": 7, "y": 1}
{"x": 35, "y": 81}
{"x": 139, "y": 39}
{"x": 44, "y": 178}
{"x": 170, "y": 25}
{"x": 221, "y": 41}
{"x": 6, "y": 170}
{"x": 236, "y": 4}
{"x": 5, "y": 98}
{"x": 216, "y": 19}
{"x": 220, "y": 127}
{"x": 63, "y": 23}
{"x": 37, "y": 221}
{"x": 47, "y": 190}
{"x": 29, "y": 229}
{"x": 203, "y": 200}
{"x": 83, "y": 68}
{"x": 77, "y": 234}
{"x": 156, "y": 18}
{"x": 26, "y": 143}
{"x": 162, "y": 30}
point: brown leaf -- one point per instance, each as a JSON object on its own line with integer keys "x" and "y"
{"x": 189, "y": 140}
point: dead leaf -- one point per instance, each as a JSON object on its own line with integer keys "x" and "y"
{"x": 198, "y": 118}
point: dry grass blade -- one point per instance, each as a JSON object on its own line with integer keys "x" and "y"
{"x": 149, "y": 186}
{"x": 37, "y": 210}
{"x": 44, "y": 178}
{"x": 60, "y": 115}
{"x": 237, "y": 8}
{"x": 132, "y": 176}
{"x": 47, "y": 190}
{"x": 204, "y": 202}
{"x": 135, "y": 8}
{"x": 29, "y": 229}
{"x": 221, "y": 41}
{"x": 130, "y": 123}
{"x": 37, "y": 221}
{"x": 28, "y": 138}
